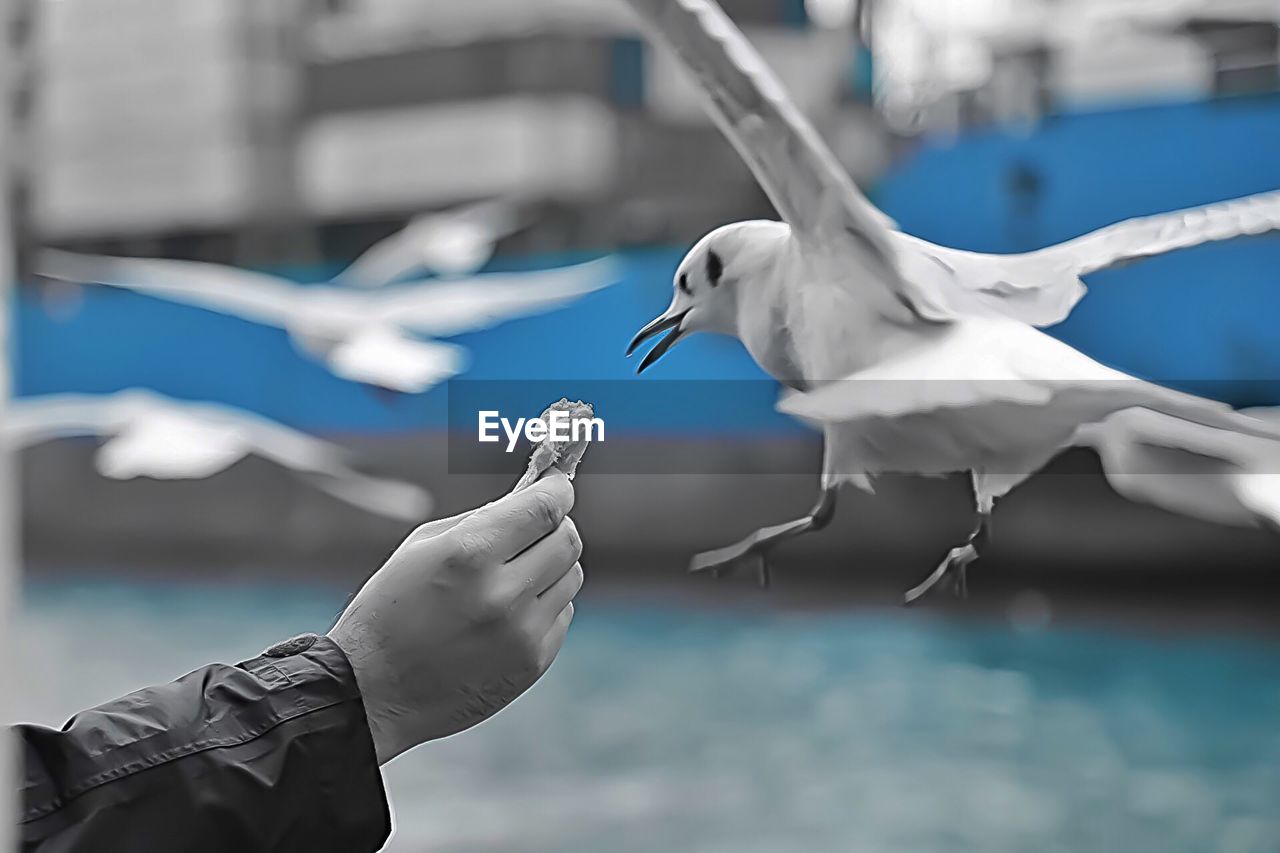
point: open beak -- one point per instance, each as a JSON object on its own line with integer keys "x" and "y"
{"x": 659, "y": 325}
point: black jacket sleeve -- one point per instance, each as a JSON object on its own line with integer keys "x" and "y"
{"x": 273, "y": 754}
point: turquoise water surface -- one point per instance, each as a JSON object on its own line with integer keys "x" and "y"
{"x": 668, "y": 728}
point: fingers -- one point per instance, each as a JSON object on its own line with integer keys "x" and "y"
{"x": 562, "y": 592}
{"x": 440, "y": 525}
{"x": 554, "y": 639}
{"x": 545, "y": 562}
{"x": 509, "y": 525}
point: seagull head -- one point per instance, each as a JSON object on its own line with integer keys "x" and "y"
{"x": 709, "y": 282}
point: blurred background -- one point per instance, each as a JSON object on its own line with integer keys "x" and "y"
{"x": 1112, "y": 682}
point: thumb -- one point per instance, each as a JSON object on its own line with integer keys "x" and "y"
{"x": 443, "y": 525}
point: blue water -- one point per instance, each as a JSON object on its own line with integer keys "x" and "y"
{"x": 666, "y": 728}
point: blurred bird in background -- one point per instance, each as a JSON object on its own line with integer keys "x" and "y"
{"x": 941, "y": 371}
{"x": 457, "y": 242}
{"x": 149, "y": 435}
{"x": 387, "y": 338}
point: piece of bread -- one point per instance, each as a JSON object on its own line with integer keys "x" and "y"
{"x": 564, "y": 455}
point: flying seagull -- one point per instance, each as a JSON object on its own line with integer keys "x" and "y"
{"x": 455, "y": 242}
{"x": 912, "y": 357}
{"x": 149, "y": 435}
{"x": 386, "y": 338}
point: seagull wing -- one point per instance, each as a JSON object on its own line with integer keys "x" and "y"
{"x": 155, "y": 436}
{"x": 414, "y": 247}
{"x": 443, "y": 309}
{"x": 34, "y": 420}
{"x": 253, "y": 296}
{"x": 1215, "y": 474}
{"x": 494, "y": 217}
{"x": 1149, "y": 236}
{"x": 1260, "y": 489}
{"x": 320, "y": 463}
{"x": 950, "y": 282}
{"x": 383, "y": 262}
{"x": 1042, "y": 287}
{"x": 800, "y": 174}
{"x": 985, "y": 391}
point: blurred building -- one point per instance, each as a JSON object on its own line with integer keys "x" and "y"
{"x": 302, "y": 130}
{"x": 248, "y": 129}
{"x": 943, "y": 65}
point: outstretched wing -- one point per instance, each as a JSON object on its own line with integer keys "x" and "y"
{"x": 1042, "y": 287}
{"x": 989, "y": 390}
{"x": 33, "y": 420}
{"x": 1210, "y": 473}
{"x": 1149, "y": 236}
{"x": 215, "y": 287}
{"x": 452, "y": 242}
{"x": 451, "y": 308}
{"x": 950, "y": 282}
{"x": 319, "y": 463}
{"x": 800, "y": 174}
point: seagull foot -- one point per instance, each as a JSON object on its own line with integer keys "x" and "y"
{"x": 723, "y": 561}
{"x": 953, "y": 569}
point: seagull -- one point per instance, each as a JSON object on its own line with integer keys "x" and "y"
{"x": 456, "y": 242}
{"x": 910, "y": 357}
{"x": 387, "y": 338}
{"x": 149, "y": 435}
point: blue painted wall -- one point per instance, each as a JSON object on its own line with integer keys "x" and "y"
{"x": 1206, "y": 314}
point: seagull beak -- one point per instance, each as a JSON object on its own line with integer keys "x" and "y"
{"x": 661, "y": 324}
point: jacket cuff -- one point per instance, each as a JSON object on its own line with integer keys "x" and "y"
{"x": 274, "y": 753}
{"x": 351, "y": 783}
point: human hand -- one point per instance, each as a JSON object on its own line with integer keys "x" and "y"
{"x": 465, "y": 616}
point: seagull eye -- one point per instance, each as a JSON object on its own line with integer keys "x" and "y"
{"x": 684, "y": 282}
{"x": 715, "y": 268}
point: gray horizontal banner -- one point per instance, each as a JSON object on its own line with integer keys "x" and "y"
{"x": 1005, "y": 428}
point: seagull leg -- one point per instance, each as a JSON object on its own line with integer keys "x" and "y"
{"x": 954, "y": 566}
{"x": 755, "y": 548}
